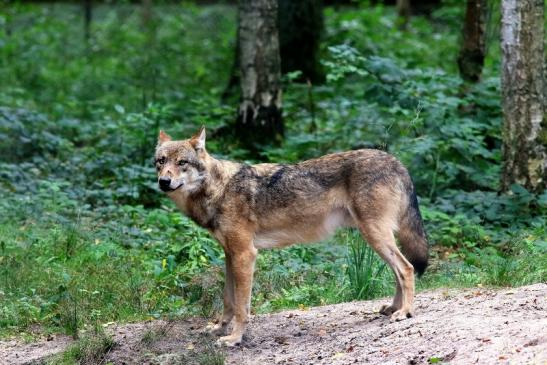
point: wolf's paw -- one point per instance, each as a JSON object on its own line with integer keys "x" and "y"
{"x": 218, "y": 329}
{"x": 230, "y": 341}
{"x": 388, "y": 310}
{"x": 400, "y": 315}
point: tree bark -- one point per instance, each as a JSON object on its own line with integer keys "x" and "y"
{"x": 300, "y": 29}
{"x": 259, "y": 119}
{"x": 88, "y": 14}
{"x": 300, "y": 24}
{"x": 523, "y": 92}
{"x": 146, "y": 13}
{"x": 403, "y": 11}
{"x": 472, "y": 52}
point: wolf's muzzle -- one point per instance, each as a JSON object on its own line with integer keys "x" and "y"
{"x": 165, "y": 183}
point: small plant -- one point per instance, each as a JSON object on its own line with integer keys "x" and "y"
{"x": 154, "y": 334}
{"x": 67, "y": 314}
{"x": 365, "y": 271}
{"x": 72, "y": 238}
{"x": 89, "y": 350}
{"x": 209, "y": 354}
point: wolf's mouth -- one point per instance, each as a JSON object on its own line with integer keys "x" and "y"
{"x": 170, "y": 190}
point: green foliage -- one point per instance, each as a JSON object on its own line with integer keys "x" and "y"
{"x": 521, "y": 263}
{"x": 426, "y": 119}
{"x": 299, "y": 276}
{"x": 140, "y": 266}
{"x": 365, "y": 271}
{"x": 46, "y": 61}
{"x": 374, "y": 30}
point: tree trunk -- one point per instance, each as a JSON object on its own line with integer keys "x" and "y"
{"x": 300, "y": 29}
{"x": 471, "y": 57}
{"x": 149, "y": 71}
{"x": 88, "y": 14}
{"x": 403, "y": 11}
{"x": 523, "y": 91}
{"x": 300, "y": 25}
{"x": 259, "y": 119}
{"x": 146, "y": 15}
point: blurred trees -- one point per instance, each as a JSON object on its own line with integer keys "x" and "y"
{"x": 88, "y": 14}
{"x": 523, "y": 93}
{"x": 403, "y": 10}
{"x": 300, "y": 30}
{"x": 146, "y": 13}
{"x": 404, "y": 7}
{"x": 259, "y": 118}
{"x": 473, "y": 49}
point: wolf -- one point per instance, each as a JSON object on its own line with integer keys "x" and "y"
{"x": 251, "y": 207}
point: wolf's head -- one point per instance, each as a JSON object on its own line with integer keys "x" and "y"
{"x": 181, "y": 164}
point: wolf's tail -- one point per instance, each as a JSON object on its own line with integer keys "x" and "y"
{"x": 411, "y": 233}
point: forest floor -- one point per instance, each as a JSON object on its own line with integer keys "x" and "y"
{"x": 462, "y": 326}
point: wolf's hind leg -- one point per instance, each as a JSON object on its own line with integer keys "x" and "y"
{"x": 381, "y": 239}
{"x": 228, "y": 312}
{"x": 387, "y": 309}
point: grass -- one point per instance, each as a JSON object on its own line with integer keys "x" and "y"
{"x": 42, "y": 284}
{"x": 91, "y": 349}
{"x": 93, "y": 281}
{"x": 365, "y": 271}
{"x": 210, "y": 354}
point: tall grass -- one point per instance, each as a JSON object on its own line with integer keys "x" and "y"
{"x": 365, "y": 271}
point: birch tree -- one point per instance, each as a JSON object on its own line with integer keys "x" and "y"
{"x": 259, "y": 118}
{"x": 523, "y": 92}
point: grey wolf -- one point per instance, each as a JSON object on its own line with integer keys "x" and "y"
{"x": 252, "y": 207}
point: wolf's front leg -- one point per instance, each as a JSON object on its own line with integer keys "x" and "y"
{"x": 242, "y": 265}
{"x": 220, "y": 328}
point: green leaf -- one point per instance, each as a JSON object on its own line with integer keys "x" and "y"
{"x": 120, "y": 109}
{"x": 519, "y": 189}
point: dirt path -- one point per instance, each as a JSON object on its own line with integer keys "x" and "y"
{"x": 472, "y": 326}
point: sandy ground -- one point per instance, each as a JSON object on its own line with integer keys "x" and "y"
{"x": 471, "y": 326}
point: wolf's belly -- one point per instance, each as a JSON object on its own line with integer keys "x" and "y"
{"x": 308, "y": 230}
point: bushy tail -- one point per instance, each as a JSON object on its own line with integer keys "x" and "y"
{"x": 412, "y": 238}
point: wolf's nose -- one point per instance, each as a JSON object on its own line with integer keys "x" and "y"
{"x": 164, "y": 182}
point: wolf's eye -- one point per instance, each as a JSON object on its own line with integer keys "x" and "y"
{"x": 182, "y": 162}
{"x": 161, "y": 160}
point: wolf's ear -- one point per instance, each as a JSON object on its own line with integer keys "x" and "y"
{"x": 198, "y": 140}
{"x": 163, "y": 137}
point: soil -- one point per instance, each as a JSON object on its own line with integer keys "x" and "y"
{"x": 459, "y": 326}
